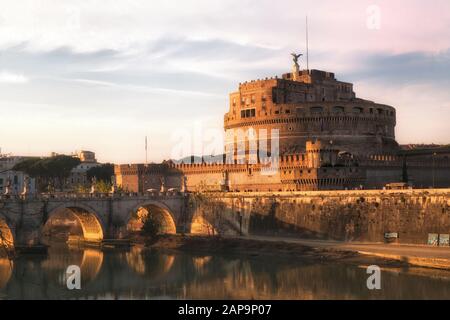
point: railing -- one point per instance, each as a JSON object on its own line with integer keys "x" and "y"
{"x": 95, "y": 195}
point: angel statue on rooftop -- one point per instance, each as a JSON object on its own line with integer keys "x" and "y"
{"x": 295, "y": 58}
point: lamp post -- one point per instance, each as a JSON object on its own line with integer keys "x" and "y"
{"x": 434, "y": 169}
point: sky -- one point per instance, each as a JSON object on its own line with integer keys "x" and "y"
{"x": 101, "y": 75}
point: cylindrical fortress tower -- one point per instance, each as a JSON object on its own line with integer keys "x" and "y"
{"x": 313, "y": 106}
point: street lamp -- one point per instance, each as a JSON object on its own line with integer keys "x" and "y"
{"x": 434, "y": 169}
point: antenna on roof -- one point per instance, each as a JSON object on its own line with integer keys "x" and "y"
{"x": 146, "y": 162}
{"x": 307, "y": 45}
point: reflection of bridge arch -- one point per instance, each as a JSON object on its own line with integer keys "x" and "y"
{"x": 91, "y": 264}
{"x": 59, "y": 258}
{"x": 159, "y": 210}
{"x": 6, "y": 235}
{"x": 6, "y": 269}
{"x": 148, "y": 263}
{"x": 88, "y": 219}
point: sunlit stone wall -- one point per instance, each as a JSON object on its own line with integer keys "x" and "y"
{"x": 343, "y": 215}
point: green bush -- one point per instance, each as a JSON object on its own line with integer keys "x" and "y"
{"x": 151, "y": 227}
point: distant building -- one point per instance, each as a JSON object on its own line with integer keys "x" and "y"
{"x": 15, "y": 178}
{"x": 78, "y": 176}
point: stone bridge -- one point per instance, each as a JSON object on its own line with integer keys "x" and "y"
{"x": 101, "y": 216}
{"x": 413, "y": 216}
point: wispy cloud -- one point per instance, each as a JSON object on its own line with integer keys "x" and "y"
{"x": 13, "y": 78}
{"x": 142, "y": 88}
{"x": 142, "y": 67}
{"x": 410, "y": 67}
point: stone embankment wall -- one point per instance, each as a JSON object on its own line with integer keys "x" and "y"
{"x": 363, "y": 215}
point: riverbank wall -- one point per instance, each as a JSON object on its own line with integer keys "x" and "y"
{"x": 402, "y": 216}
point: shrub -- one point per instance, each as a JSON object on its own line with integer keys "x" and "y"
{"x": 151, "y": 227}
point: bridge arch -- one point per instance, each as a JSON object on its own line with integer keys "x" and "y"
{"x": 159, "y": 210}
{"x": 6, "y": 234}
{"x": 92, "y": 226}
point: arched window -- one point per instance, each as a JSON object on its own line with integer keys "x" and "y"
{"x": 357, "y": 110}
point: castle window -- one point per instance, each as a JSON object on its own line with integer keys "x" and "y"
{"x": 277, "y": 112}
{"x": 288, "y": 111}
{"x": 316, "y": 109}
{"x": 380, "y": 111}
{"x": 248, "y": 113}
{"x": 338, "y": 109}
{"x": 371, "y": 110}
{"x": 357, "y": 110}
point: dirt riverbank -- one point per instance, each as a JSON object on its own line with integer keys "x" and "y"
{"x": 255, "y": 248}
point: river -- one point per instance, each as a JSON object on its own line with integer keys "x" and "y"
{"x": 142, "y": 274}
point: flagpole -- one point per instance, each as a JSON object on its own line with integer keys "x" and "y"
{"x": 146, "y": 162}
{"x": 307, "y": 45}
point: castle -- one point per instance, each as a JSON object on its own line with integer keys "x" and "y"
{"x": 316, "y": 134}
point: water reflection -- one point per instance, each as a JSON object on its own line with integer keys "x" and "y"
{"x": 144, "y": 262}
{"x": 60, "y": 257}
{"x": 144, "y": 274}
{"x": 6, "y": 267}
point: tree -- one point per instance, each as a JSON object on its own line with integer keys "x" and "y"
{"x": 103, "y": 186}
{"x": 101, "y": 173}
{"x": 151, "y": 227}
{"x": 48, "y": 170}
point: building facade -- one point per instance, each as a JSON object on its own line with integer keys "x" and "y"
{"x": 15, "y": 181}
{"x": 78, "y": 176}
